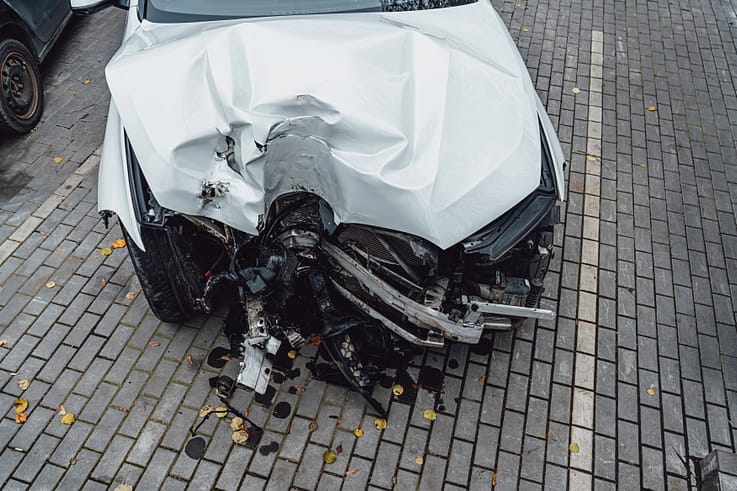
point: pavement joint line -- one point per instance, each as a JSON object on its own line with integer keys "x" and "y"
{"x": 24, "y": 230}
{"x": 582, "y": 414}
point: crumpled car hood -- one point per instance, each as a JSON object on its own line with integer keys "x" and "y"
{"x": 423, "y": 122}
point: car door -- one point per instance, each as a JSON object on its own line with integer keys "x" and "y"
{"x": 43, "y": 17}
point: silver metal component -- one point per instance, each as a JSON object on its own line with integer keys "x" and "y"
{"x": 272, "y": 345}
{"x": 432, "y": 341}
{"x": 434, "y": 295}
{"x": 258, "y": 331}
{"x": 255, "y": 369}
{"x": 299, "y": 239}
{"x": 295, "y": 339}
{"x": 208, "y": 226}
{"x": 511, "y": 310}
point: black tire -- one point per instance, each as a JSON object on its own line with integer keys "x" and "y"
{"x": 21, "y": 92}
{"x": 167, "y": 274}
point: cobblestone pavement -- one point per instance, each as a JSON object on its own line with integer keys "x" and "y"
{"x": 635, "y": 380}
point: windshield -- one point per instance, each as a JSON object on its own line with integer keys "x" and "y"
{"x": 201, "y": 10}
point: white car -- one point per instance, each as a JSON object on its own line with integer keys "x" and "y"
{"x": 376, "y": 172}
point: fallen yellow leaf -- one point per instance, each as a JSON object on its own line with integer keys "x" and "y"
{"x": 20, "y": 406}
{"x": 106, "y": 251}
{"x": 524, "y": 29}
{"x": 130, "y": 296}
{"x": 652, "y": 108}
{"x": 430, "y": 415}
{"x": 221, "y": 411}
{"x": 292, "y": 355}
{"x": 419, "y": 460}
{"x": 575, "y": 90}
{"x": 23, "y": 384}
{"x": 650, "y": 391}
{"x": 3, "y": 342}
{"x": 123, "y": 487}
{"x": 86, "y": 81}
{"x": 205, "y": 410}
{"x": 240, "y": 437}
{"x": 154, "y": 344}
{"x": 21, "y": 418}
{"x": 574, "y": 448}
{"x": 61, "y": 410}
{"x": 119, "y": 243}
{"x": 397, "y": 390}
{"x": 68, "y": 419}
{"x": 592, "y": 158}
{"x": 380, "y": 423}
{"x": 50, "y": 284}
{"x": 57, "y": 160}
{"x": 236, "y": 423}
{"x": 358, "y": 432}
{"x": 329, "y": 456}
{"x": 350, "y": 472}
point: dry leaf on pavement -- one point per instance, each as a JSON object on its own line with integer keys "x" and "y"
{"x": 380, "y": 423}
{"x": 221, "y": 411}
{"x": 205, "y": 410}
{"x": 20, "y": 405}
{"x": 236, "y": 423}
{"x": 106, "y": 251}
{"x": 68, "y": 419}
{"x": 24, "y": 384}
{"x": 21, "y": 418}
{"x": 119, "y": 243}
{"x": 3, "y": 342}
{"x": 124, "y": 487}
{"x": 430, "y": 414}
{"x": 358, "y": 432}
{"x": 350, "y": 472}
{"x": 329, "y": 457}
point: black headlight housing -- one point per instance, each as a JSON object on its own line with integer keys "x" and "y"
{"x": 537, "y": 209}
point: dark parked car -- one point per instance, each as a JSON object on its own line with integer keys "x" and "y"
{"x": 28, "y": 30}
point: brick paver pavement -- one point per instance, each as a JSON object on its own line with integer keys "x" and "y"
{"x": 635, "y": 380}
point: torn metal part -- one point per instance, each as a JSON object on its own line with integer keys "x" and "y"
{"x": 211, "y": 190}
{"x": 255, "y": 368}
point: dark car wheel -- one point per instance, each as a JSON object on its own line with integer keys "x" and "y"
{"x": 167, "y": 274}
{"x": 20, "y": 82}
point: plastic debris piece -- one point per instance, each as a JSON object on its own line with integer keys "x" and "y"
{"x": 329, "y": 457}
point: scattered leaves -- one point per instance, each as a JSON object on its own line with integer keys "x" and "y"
{"x": 205, "y": 410}
{"x": 313, "y": 426}
{"x": 650, "y": 391}
{"x": 57, "y": 160}
{"x": 106, "y": 251}
{"x": 292, "y": 355}
{"x": 154, "y": 344}
{"x": 189, "y": 358}
{"x": 351, "y": 472}
{"x": 239, "y": 437}
{"x": 68, "y": 419}
{"x": 358, "y": 432}
{"x": 221, "y": 411}
{"x": 315, "y": 341}
{"x": 123, "y": 487}
{"x": 86, "y": 81}
{"x": 3, "y": 342}
{"x": 329, "y": 457}
{"x": 430, "y": 414}
{"x": 119, "y": 243}
{"x": 524, "y": 29}
{"x": 236, "y": 423}
{"x": 21, "y": 418}
{"x": 652, "y": 108}
{"x": 51, "y": 284}
{"x": 380, "y": 423}
{"x": 576, "y": 90}
{"x": 397, "y": 390}
{"x": 20, "y": 405}
{"x": 574, "y": 448}
{"x": 24, "y": 384}
{"x": 419, "y": 460}
{"x": 61, "y": 410}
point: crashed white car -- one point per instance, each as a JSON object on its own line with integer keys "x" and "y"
{"x": 376, "y": 172}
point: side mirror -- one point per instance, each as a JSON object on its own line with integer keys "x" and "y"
{"x": 86, "y": 7}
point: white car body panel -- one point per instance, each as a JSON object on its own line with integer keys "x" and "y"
{"x": 424, "y": 122}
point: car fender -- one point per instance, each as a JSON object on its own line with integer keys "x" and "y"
{"x": 559, "y": 160}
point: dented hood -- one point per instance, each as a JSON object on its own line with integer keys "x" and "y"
{"x": 423, "y": 122}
